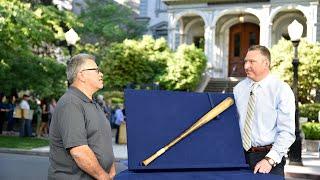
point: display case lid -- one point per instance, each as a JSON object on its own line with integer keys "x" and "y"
{"x": 155, "y": 118}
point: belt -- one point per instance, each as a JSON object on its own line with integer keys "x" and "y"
{"x": 260, "y": 148}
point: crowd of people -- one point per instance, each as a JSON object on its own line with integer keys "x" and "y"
{"x": 26, "y": 116}
{"x": 41, "y": 112}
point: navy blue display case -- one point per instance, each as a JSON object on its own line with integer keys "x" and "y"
{"x": 155, "y": 118}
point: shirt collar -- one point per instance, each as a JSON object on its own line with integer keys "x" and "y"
{"x": 262, "y": 83}
{"x": 79, "y": 93}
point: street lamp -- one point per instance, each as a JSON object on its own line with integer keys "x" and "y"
{"x": 71, "y": 38}
{"x": 295, "y": 30}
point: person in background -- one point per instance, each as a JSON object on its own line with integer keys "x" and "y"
{"x": 38, "y": 113}
{"x": 104, "y": 105}
{"x": 119, "y": 119}
{"x": 3, "y": 111}
{"x": 266, "y": 108}
{"x": 43, "y": 131}
{"x": 25, "y": 128}
{"x": 52, "y": 106}
{"x": 11, "y": 120}
{"x": 80, "y": 136}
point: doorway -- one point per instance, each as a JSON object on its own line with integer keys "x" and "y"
{"x": 242, "y": 36}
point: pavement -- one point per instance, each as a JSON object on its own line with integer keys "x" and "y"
{"x": 309, "y": 170}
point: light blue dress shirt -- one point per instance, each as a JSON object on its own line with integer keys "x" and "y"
{"x": 119, "y": 117}
{"x": 274, "y": 117}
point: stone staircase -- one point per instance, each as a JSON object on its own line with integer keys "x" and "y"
{"x": 222, "y": 85}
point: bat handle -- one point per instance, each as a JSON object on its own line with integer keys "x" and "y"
{"x": 154, "y": 156}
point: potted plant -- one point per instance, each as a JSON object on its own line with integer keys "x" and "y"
{"x": 311, "y": 132}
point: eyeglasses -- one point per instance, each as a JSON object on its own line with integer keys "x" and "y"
{"x": 91, "y": 69}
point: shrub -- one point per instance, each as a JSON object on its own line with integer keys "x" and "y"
{"x": 132, "y": 61}
{"x": 311, "y": 130}
{"x": 184, "y": 69}
{"x": 310, "y": 111}
{"x": 309, "y": 65}
{"x": 148, "y": 61}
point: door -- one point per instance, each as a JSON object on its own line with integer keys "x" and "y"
{"x": 241, "y": 37}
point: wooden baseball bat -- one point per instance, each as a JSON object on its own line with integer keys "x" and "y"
{"x": 203, "y": 120}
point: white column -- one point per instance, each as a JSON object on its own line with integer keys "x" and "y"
{"x": 213, "y": 52}
{"x": 265, "y": 26}
{"x": 181, "y": 33}
{"x": 207, "y": 42}
{"x": 182, "y": 38}
{"x": 171, "y": 31}
{"x": 312, "y": 22}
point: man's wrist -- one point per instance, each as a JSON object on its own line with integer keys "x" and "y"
{"x": 270, "y": 161}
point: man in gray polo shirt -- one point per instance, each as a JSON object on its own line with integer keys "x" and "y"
{"x": 80, "y": 135}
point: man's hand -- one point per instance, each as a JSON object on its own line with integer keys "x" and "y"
{"x": 112, "y": 171}
{"x": 262, "y": 166}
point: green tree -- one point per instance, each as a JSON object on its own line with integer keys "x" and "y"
{"x": 23, "y": 29}
{"x": 309, "y": 66}
{"x": 105, "y": 21}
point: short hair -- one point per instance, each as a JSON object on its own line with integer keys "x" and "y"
{"x": 263, "y": 50}
{"x": 74, "y": 64}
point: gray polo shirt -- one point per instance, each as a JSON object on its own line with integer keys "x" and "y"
{"x": 78, "y": 121}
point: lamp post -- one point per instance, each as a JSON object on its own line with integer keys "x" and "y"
{"x": 295, "y": 30}
{"x": 71, "y": 38}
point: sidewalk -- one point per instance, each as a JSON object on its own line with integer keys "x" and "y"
{"x": 309, "y": 170}
{"x": 120, "y": 151}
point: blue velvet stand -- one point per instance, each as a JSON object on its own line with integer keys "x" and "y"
{"x": 196, "y": 175}
{"x": 214, "y": 151}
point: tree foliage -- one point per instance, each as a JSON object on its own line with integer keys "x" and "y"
{"x": 105, "y": 21}
{"x": 309, "y": 66}
{"x": 184, "y": 69}
{"x": 132, "y": 61}
{"x": 23, "y": 28}
{"x": 148, "y": 61}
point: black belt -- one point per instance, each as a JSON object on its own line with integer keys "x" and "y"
{"x": 260, "y": 148}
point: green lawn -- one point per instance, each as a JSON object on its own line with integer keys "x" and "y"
{"x": 22, "y": 142}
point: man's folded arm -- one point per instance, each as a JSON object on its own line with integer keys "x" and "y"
{"x": 87, "y": 161}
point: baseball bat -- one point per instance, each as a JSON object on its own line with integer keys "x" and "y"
{"x": 225, "y": 104}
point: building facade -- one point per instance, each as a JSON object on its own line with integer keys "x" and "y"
{"x": 226, "y": 28}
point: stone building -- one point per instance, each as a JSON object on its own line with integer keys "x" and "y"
{"x": 223, "y": 28}
{"x": 226, "y": 28}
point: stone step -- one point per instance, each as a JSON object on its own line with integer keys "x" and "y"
{"x": 220, "y": 85}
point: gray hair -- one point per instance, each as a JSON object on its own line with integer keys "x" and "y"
{"x": 263, "y": 50}
{"x": 74, "y": 64}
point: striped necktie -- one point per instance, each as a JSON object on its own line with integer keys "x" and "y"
{"x": 246, "y": 134}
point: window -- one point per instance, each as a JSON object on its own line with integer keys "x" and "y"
{"x": 237, "y": 43}
{"x": 160, "y": 30}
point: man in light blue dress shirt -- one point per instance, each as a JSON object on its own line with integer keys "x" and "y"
{"x": 273, "y": 125}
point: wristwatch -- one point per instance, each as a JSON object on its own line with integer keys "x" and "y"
{"x": 271, "y": 161}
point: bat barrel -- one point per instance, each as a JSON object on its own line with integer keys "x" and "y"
{"x": 225, "y": 104}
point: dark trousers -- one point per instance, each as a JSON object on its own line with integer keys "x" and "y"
{"x": 117, "y": 133}
{"x": 25, "y": 128}
{"x": 252, "y": 158}
{"x": 11, "y": 122}
{"x": 2, "y": 119}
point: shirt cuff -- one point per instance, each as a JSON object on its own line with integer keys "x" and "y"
{"x": 275, "y": 156}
